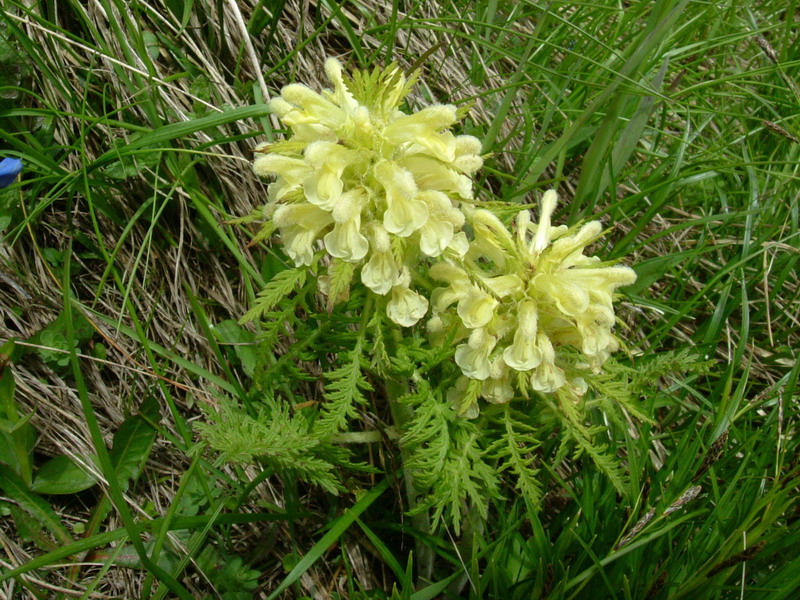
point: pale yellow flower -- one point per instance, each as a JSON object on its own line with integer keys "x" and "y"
{"x": 380, "y": 274}
{"x": 473, "y": 357}
{"x": 377, "y": 172}
{"x": 405, "y": 306}
{"x": 300, "y": 225}
{"x": 476, "y": 308}
{"x": 523, "y": 354}
{"x": 522, "y": 299}
{"x": 497, "y": 389}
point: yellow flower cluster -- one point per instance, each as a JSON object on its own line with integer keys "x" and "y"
{"x": 375, "y": 185}
{"x": 380, "y": 189}
{"x": 521, "y": 301}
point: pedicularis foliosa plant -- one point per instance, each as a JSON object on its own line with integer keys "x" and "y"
{"x": 482, "y": 341}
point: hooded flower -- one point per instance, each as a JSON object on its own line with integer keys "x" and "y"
{"x": 536, "y": 311}
{"x": 405, "y": 306}
{"x": 379, "y": 187}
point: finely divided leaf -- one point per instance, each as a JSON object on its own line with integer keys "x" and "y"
{"x": 342, "y": 392}
{"x": 283, "y": 284}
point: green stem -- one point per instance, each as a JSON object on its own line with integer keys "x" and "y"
{"x": 402, "y": 414}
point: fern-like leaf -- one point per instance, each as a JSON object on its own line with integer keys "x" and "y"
{"x": 380, "y": 355}
{"x": 447, "y": 461}
{"x": 340, "y": 275}
{"x": 427, "y": 436}
{"x": 585, "y": 442}
{"x": 343, "y": 392}
{"x": 272, "y": 438}
{"x": 283, "y": 284}
{"x": 515, "y": 449}
{"x": 465, "y": 477}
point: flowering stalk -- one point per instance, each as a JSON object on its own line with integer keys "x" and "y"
{"x": 363, "y": 188}
{"x": 363, "y": 183}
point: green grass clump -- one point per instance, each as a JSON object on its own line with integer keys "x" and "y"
{"x": 123, "y": 278}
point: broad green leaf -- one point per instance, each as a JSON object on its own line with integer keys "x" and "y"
{"x": 133, "y": 441}
{"x": 7, "y": 455}
{"x": 17, "y": 436}
{"x": 8, "y": 409}
{"x": 151, "y": 44}
{"x": 61, "y": 475}
{"x": 31, "y": 503}
{"x": 241, "y": 340}
{"x": 30, "y": 529}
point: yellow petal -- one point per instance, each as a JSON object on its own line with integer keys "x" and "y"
{"x": 523, "y": 223}
{"x": 504, "y": 285}
{"x": 300, "y": 225}
{"x": 441, "y": 210}
{"x": 468, "y": 159}
{"x": 330, "y": 155}
{"x": 422, "y": 132}
{"x": 547, "y": 377}
{"x": 523, "y": 354}
{"x": 323, "y": 188}
{"x": 324, "y": 184}
{"x": 314, "y": 106}
{"x": 543, "y": 231}
{"x": 293, "y": 170}
{"x": 406, "y": 307}
{"x": 491, "y": 229}
{"x": 349, "y": 205}
{"x": 476, "y": 308}
{"x": 404, "y": 214}
{"x": 380, "y": 273}
{"x": 567, "y": 249}
{"x": 497, "y": 391}
{"x": 378, "y": 237}
{"x": 346, "y": 241}
{"x": 473, "y": 357}
{"x": 432, "y": 174}
{"x": 305, "y": 127}
{"x": 435, "y": 237}
{"x": 459, "y": 245}
{"x": 595, "y": 328}
{"x": 306, "y": 216}
{"x": 570, "y": 298}
{"x": 341, "y": 95}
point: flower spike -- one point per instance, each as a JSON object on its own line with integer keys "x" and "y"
{"x": 536, "y": 311}
{"x": 359, "y": 172}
